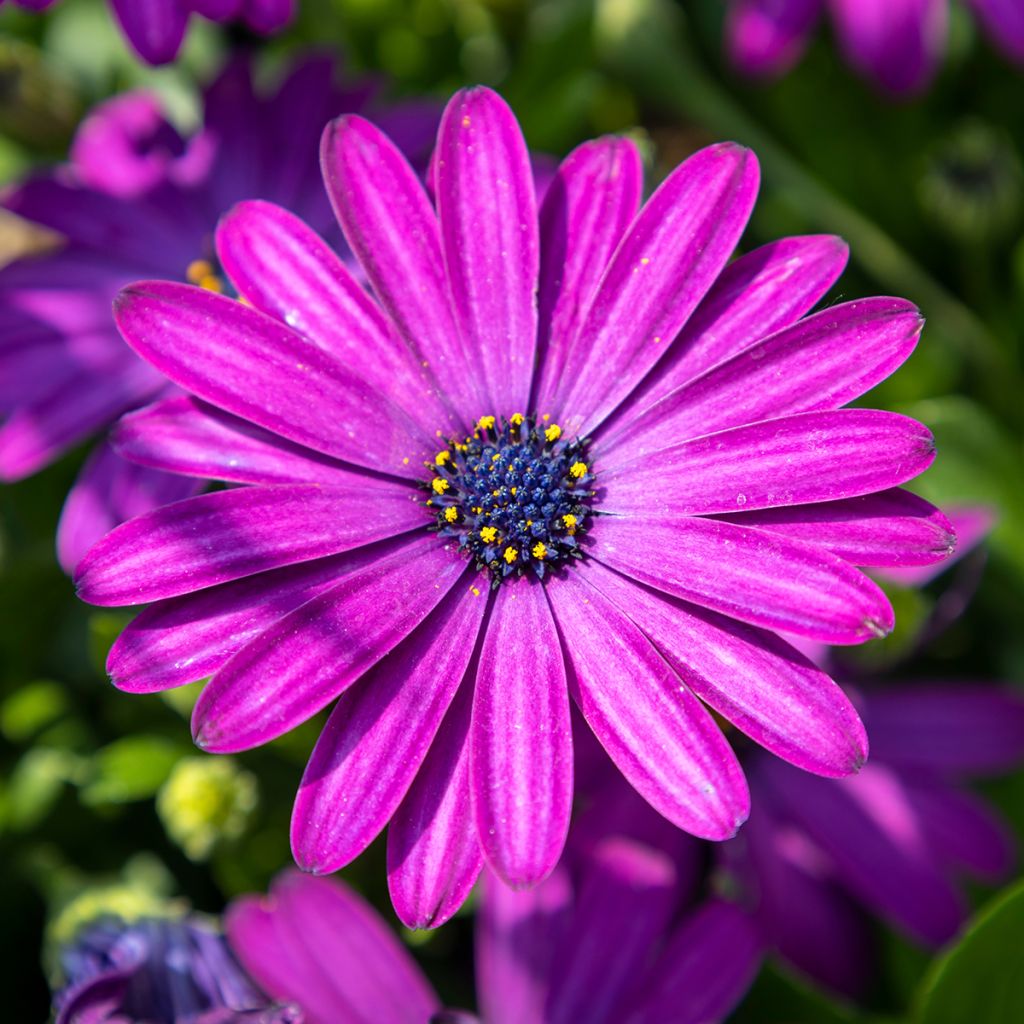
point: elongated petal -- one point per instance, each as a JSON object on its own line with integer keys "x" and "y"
{"x": 751, "y": 677}
{"x": 433, "y": 853}
{"x": 653, "y": 728}
{"x": 970, "y": 523}
{"x": 267, "y": 16}
{"x": 304, "y": 660}
{"x": 155, "y": 28}
{"x": 627, "y": 890}
{"x": 1004, "y": 22}
{"x": 666, "y": 262}
{"x": 809, "y": 457}
{"x": 378, "y": 735}
{"x": 758, "y": 294}
{"x": 751, "y": 575}
{"x": 953, "y": 729}
{"x": 821, "y": 362}
{"x": 253, "y": 366}
{"x": 520, "y": 939}
{"x": 188, "y": 638}
{"x": 184, "y": 435}
{"x": 590, "y": 203}
{"x": 521, "y": 738}
{"x": 706, "y": 969}
{"x": 285, "y": 269}
{"x": 891, "y": 527}
{"x": 767, "y": 37}
{"x": 217, "y": 537}
{"x": 392, "y": 229}
{"x": 489, "y": 236}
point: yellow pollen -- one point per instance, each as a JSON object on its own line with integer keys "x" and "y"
{"x": 513, "y": 490}
{"x": 578, "y": 470}
{"x": 553, "y": 433}
{"x": 539, "y": 551}
{"x": 510, "y": 555}
{"x": 495, "y": 456}
{"x": 439, "y": 485}
{"x": 405, "y": 461}
{"x": 546, "y": 417}
{"x": 466, "y": 121}
{"x": 442, "y": 457}
{"x": 477, "y": 509}
{"x": 489, "y": 534}
{"x": 476, "y": 591}
{"x": 569, "y": 520}
{"x": 451, "y": 514}
{"x": 516, "y": 419}
{"x": 197, "y": 270}
{"x": 485, "y": 423}
{"x": 494, "y": 494}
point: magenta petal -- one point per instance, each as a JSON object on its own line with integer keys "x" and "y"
{"x": 589, "y": 204}
{"x": 660, "y": 736}
{"x": 488, "y": 213}
{"x": 285, "y": 269}
{"x": 806, "y": 458}
{"x": 704, "y": 971}
{"x": 1004, "y": 22}
{"x": 433, "y": 853}
{"x": 316, "y": 943}
{"x": 217, "y": 537}
{"x": 767, "y": 37}
{"x": 306, "y": 659}
{"x": 188, "y": 638}
{"x": 970, "y": 523}
{"x": 521, "y": 738}
{"x": 253, "y": 366}
{"x": 392, "y": 229}
{"x": 751, "y": 677}
{"x": 186, "y": 436}
{"x": 155, "y": 28}
{"x": 892, "y": 527}
{"x": 267, "y": 16}
{"x": 751, "y": 575}
{"x": 667, "y": 260}
{"x": 378, "y": 735}
{"x": 520, "y": 938}
{"x": 821, "y": 362}
{"x": 758, "y": 294}
{"x": 627, "y": 890}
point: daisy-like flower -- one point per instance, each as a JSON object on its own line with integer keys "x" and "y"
{"x": 156, "y": 28}
{"x": 607, "y": 939}
{"x": 135, "y": 200}
{"x": 566, "y": 454}
{"x": 896, "y": 44}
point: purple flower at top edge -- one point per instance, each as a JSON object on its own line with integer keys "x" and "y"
{"x": 611, "y": 937}
{"x": 160, "y": 971}
{"x": 137, "y": 199}
{"x": 574, "y": 453}
{"x": 156, "y": 28}
{"x": 896, "y": 44}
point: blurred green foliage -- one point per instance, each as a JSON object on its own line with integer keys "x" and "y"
{"x": 930, "y": 196}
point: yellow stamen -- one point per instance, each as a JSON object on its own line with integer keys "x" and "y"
{"x": 510, "y": 555}
{"x": 516, "y": 419}
{"x": 578, "y": 470}
{"x": 439, "y": 484}
{"x": 553, "y": 433}
{"x": 569, "y": 521}
{"x": 442, "y": 457}
{"x": 539, "y": 550}
{"x": 513, "y": 490}
{"x": 451, "y": 514}
{"x": 485, "y": 423}
{"x": 489, "y": 534}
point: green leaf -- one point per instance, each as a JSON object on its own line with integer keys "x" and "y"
{"x": 130, "y": 769}
{"x": 31, "y": 708}
{"x": 980, "y": 979}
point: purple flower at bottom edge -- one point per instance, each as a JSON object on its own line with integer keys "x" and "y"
{"x": 160, "y": 971}
{"x": 156, "y": 28}
{"x": 897, "y": 44}
{"x": 608, "y": 938}
{"x": 466, "y": 503}
{"x": 135, "y": 200}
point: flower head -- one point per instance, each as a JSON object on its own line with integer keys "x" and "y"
{"x": 897, "y": 44}
{"x": 138, "y": 199}
{"x": 703, "y": 488}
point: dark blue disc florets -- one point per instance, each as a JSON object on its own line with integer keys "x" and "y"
{"x": 515, "y": 494}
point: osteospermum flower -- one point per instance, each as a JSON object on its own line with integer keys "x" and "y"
{"x": 897, "y": 44}
{"x": 156, "y": 28}
{"x": 566, "y": 454}
{"x": 605, "y": 939}
{"x": 135, "y": 200}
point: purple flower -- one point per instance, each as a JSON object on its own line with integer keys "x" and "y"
{"x": 160, "y": 971}
{"x": 156, "y": 28}
{"x": 135, "y": 200}
{"x": 605, "y": 940}
{"x": 573, "y": 453}
{"x": 897, "y": 44}
{"x": 818, "y": 858}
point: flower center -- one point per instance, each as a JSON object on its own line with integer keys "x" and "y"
{"x": 515, "y": 493}
{"x": 205, "y": 274}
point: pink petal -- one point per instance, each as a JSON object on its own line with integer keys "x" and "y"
{"x": 1004, "y": 23}
{"x": 489, "y": 236}
{"x": 651, "y": 725}
{"x": 521, "y": 738}
{"x": 155, "y": 28}
{"x": 767, "y": 37}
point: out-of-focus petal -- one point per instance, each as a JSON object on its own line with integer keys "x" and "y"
{"x": 767, "y": 37}
{"x": 1004, "y": 22}
{"x": 155, "y": 28}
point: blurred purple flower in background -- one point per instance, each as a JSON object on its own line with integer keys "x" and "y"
{"x": 137, "y": 199}
{"x": 160, "y": 971}
{"x": 684, "y": 419}
{"x": 896, "y": 44}
{"x": 156, "y": 28}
